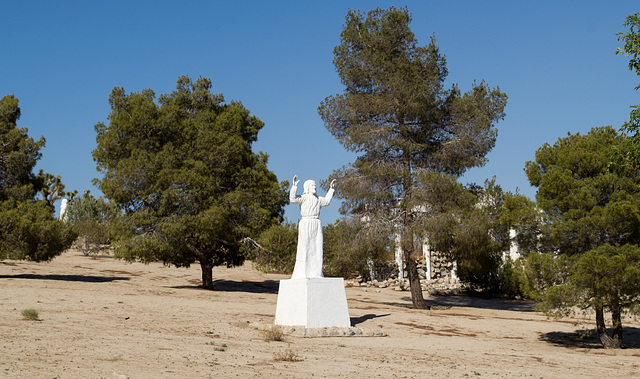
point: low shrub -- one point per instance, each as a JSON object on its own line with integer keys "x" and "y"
{"x": 30, "y": 314}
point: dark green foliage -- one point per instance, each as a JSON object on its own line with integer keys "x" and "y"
{"x": 353, "y": 248}
{"x": 469, "y": 228}
{"x": 19, "y": 153}
{"x": 631, "y": 43}
{"x": 591, "y": 229}
{"x": 185, "y": 176}
{"x": 396, "y": 113}
{"x": 541, "y": 271}
{"x": 51, "y": 187}
{"x": 28, "y": 229}
{"x": 91, "y": 218}
{"x": 275, "y": 250}
{"x": 632, "y": 49}
{"x": 600, "y": 278}
{"x": 523, "y": 215}
{"x": 492, "y": 275}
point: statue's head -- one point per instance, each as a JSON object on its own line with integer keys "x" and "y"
{"x": 310, "y": 187}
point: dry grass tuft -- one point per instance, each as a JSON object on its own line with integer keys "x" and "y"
{"x": 274, "y": 333}
{"x": 287, "y": 356}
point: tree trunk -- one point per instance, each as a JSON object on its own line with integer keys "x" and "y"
{"x": 412, "y": 270}
{"x": 613, "y": 341}
{"x": 207, "y": 274}
{"x": 407, "y": 235}
{"x": 414, "y": 283}
{"x": 205, "y": 264}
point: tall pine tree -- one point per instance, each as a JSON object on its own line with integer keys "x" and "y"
{"x": 396, "y": 113}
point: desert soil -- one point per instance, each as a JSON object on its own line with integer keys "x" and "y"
{"x": 104, "y": 318}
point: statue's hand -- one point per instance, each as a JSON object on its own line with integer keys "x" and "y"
{"x": 295, "y": 180}
{"x": 332, "y": 185}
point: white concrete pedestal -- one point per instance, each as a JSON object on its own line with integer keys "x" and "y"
{"x": 313, "y": 303}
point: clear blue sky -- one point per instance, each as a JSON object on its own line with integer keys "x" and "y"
{"x": 554, "y": 59}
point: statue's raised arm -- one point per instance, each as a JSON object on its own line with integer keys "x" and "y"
{"x": 293, "y": 197}
{"x": 326, "y": 200}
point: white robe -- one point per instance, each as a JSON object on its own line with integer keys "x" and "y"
{"x": 309, "y": 253}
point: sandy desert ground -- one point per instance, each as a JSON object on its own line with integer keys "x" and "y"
{"x": 103, "y": 318}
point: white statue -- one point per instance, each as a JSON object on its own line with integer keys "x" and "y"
{"x": 308, "y": 298}
{"x": 63, "y": 210}
{"x": 309, "y": 253}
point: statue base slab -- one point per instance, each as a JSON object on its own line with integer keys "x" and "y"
{"x": 313, "y": 303}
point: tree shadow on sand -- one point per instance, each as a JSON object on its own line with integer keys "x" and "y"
{"x": 481, "y": 303}
{"x": 223, "y": 285}
{"x": 588, "y": 339}
{"x": 67, "y": 278}
{"x": 447, "y": 302}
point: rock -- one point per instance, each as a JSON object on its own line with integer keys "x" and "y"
{"x": 368, "y": 332}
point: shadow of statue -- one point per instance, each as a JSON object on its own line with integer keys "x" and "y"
{"x": 358, "y": 320}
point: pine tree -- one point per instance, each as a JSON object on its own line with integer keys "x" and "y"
{"x": 396, "y": 113}
{"x": 28, "y": 229}
{"x": 185, "y": 176}
{"x": 590, "y": 239}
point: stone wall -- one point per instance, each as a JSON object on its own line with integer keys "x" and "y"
{"x": 440, "y": 283}
{"x": 441, "y": 266}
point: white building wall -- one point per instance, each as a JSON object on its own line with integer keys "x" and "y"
{"x": 399, "y": 259}
{"x": 426, "y": 251}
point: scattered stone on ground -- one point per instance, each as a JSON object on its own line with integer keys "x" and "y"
{"x": 301, "y": 331}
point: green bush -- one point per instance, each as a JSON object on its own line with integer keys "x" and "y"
{"x": 91, "y": 218}
{"x": 493, "y": 275}
{"x": 541, "y": 271}
{"x": 353, "y": 248}
{"x": 275, "y": 249}
{"x": 30, "y": 314}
